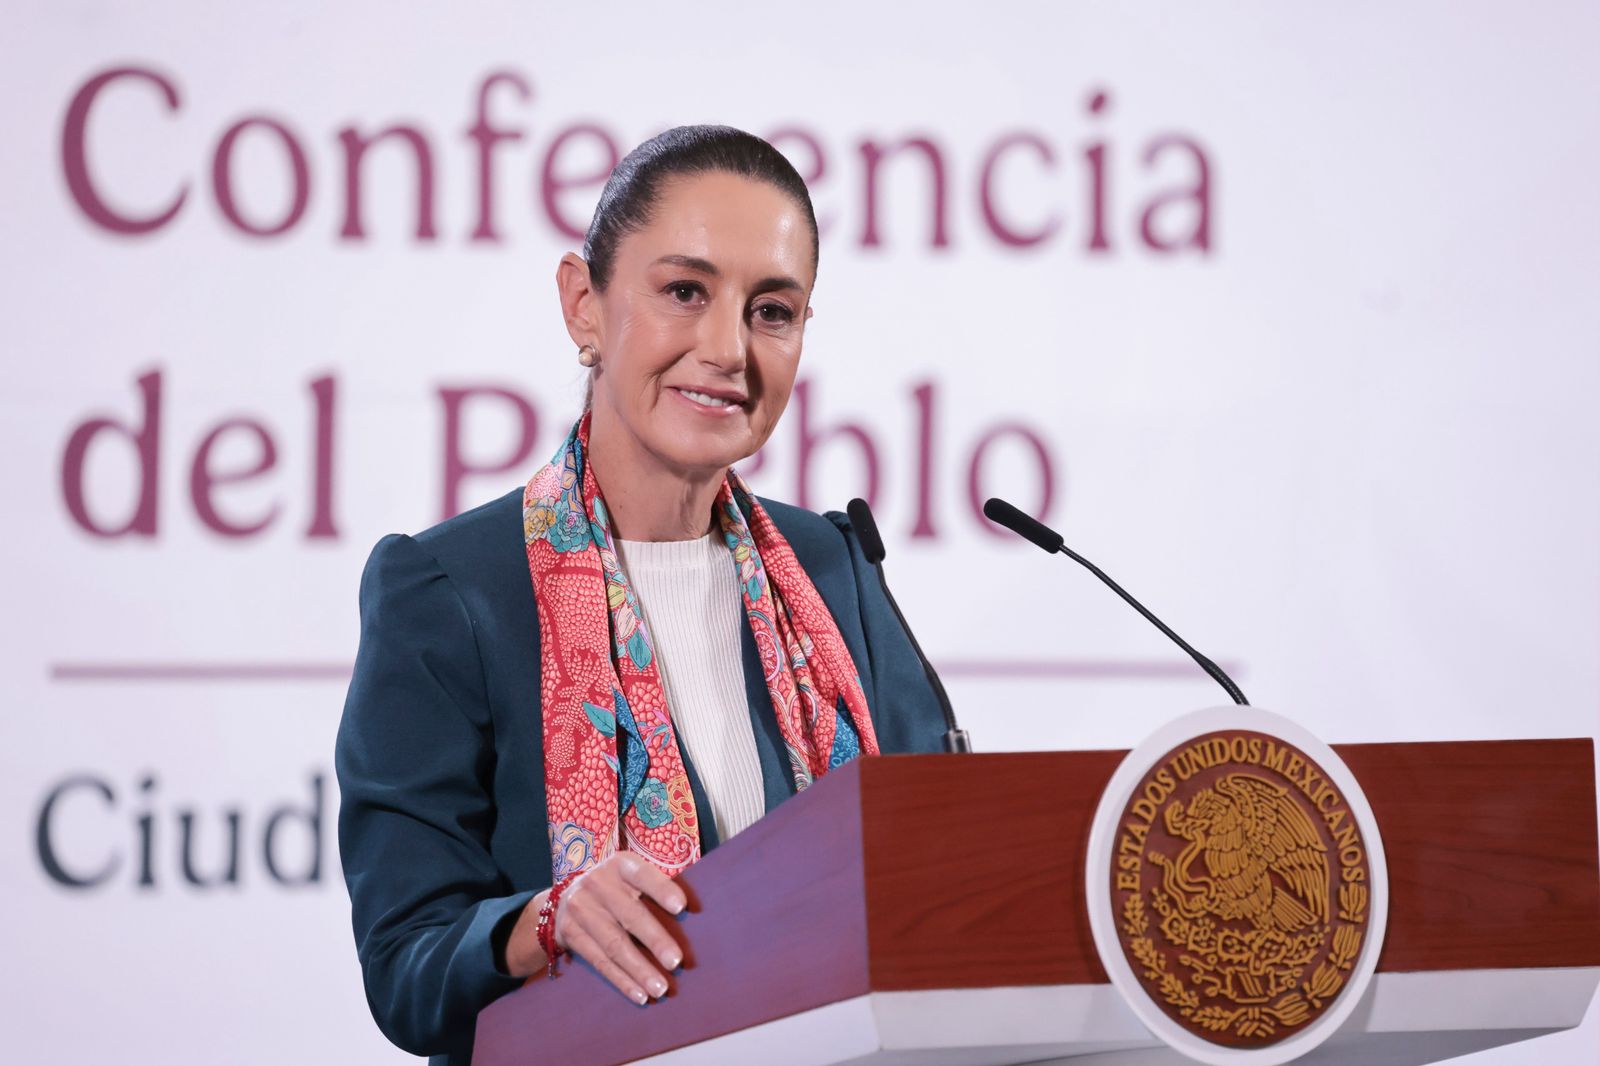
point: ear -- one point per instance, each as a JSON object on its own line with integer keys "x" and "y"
{"x": 580, "y": 302}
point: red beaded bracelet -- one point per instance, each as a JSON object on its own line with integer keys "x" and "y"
{"x": 547, "y": 922}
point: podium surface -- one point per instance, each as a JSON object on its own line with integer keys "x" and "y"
{"x": 930, "y": 909}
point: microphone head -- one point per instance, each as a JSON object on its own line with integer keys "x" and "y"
{"x": 1023, "y": 525}
{"x": 866, "y": 530}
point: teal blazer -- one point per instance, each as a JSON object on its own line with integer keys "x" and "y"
{"x": 442, "y": 823}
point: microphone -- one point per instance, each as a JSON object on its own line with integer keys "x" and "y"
{"x": 955, "y": 740}
{"x": 1030, "y": 528}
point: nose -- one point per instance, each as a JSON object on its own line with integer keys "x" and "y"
{"x": 725, "y": 340}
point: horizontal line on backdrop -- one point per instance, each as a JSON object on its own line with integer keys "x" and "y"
{"x": 995, "y": 669}
{"x": 1082, "y": 669}
{"x": 214, "y": 671}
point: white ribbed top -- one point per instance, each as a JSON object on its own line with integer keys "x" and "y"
{"x": 688, "y": 592}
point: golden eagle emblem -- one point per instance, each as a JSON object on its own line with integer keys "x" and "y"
{"x": 1263, "y": 860}
{"x": 1240, "y": 881}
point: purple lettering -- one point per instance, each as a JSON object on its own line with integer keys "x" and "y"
{"x": 146, "y": 439}
{"x": 322, "y": 395}
{"x": 808, "y": 441}
{"x": 203, "y": 479}
{"x": 986, "y": 199}
{"x": 487, "y": 137}
{"x": 872, "y": 154}
{"x": 975, "y": 491}
{"x": 355, "y": 150}
{"x": 1096, "y": 155}
{"x": 75, "y": 156}
{"x": 222, "y": 177}
{"x": 456, "y": 467}
{"x": 552, "y": 184}
{"x": 924, "y": 396}
{"x": 1200, "y": 193}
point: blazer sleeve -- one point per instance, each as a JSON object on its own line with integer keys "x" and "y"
{"x": 415, "y": 762}
{"x": 905, "y": 713}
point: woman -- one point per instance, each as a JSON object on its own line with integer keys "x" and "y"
{"x": 513, "y": 782}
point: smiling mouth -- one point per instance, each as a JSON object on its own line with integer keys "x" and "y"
{"x": 708, "y": 400}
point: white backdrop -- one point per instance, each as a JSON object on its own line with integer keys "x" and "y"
{"x": 1328, "y": 410}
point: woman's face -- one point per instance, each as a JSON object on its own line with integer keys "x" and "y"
{"x": 699, "y": 330}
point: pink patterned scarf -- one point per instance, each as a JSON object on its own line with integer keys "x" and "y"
{"x": 609, "y": 742}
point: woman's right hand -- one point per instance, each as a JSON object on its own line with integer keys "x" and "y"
{"x": 602, "y": 917}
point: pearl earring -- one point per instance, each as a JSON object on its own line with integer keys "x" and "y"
{"x": 587, "y": 356}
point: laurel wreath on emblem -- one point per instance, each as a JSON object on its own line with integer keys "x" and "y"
{"x": 1329, "y": 977}
{"x": 1246, "y": 977}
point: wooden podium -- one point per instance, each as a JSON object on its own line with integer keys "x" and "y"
{"x": 867, "y": 921}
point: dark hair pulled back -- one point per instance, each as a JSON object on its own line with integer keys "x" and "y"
{"x": 631, "y": 192}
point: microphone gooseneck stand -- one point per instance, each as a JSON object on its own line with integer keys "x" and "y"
{"x": 1031, "y": 529}
{"x": 866, "y": 530}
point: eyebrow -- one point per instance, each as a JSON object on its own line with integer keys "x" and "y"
{"x": 706, "y": 266}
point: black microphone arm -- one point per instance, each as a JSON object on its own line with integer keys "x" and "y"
{"x": 1030, "y": 528}
{"x": 955, "y": 740}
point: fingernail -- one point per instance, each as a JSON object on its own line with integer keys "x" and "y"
{"x": 658, "y": 987}
{"x": 640, "y": 998}
{"x": 673, "y": 961}
{"x": 677, "y": 908}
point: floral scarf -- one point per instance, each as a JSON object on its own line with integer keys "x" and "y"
{"x": 610, "y": 747}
